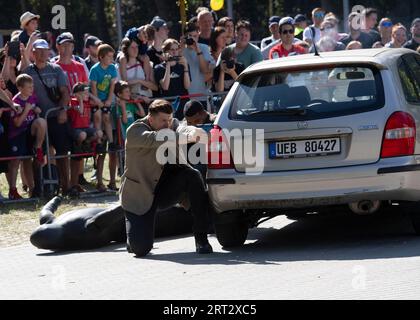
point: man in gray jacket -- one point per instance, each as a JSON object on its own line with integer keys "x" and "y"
{"x": 149, "y": 186}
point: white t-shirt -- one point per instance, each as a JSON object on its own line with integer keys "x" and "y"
{"x": 307, "y": 34}
{"x": 198, "y": 84}
{"x": 136, "y": 72}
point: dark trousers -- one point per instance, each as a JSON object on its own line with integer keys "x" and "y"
{"x": 176, "y": 183}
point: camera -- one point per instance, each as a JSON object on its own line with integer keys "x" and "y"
{"x": 174, "y": 58}
{"x": 14, "y": 49}
{"x": 189, "y": 41}
{"x": 230, "y": 64}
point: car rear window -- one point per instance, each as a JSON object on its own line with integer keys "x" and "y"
{"x": 319, "y": 93}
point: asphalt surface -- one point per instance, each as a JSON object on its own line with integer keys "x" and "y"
{"x": 333, "y": 256}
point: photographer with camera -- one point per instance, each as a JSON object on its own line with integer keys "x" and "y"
{"x": 173, "y": 75}
{"x": 226, "y": 72}
{"x": 200, "y": 61}
{"x": 13, "y": 52}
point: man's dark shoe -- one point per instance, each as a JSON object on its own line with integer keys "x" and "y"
{"x": 202, "y": 245}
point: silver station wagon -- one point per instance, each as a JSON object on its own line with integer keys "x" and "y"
{"x": 339, "y": 129}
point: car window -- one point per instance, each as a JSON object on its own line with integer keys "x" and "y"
{"x": 409, "y": 72}
{"x": 322, "y": 93}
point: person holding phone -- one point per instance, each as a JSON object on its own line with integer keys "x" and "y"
{"x": 173, "y": 75}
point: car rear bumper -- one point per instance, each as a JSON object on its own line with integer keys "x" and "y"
{"x": 388, "y": 179}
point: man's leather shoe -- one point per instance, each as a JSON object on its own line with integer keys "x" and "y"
{"x": 202, "y": 245}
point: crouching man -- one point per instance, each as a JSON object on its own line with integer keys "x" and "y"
{"x": 148, "y": 186}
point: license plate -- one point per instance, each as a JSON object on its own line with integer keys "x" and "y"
{"x": 304, "y": 148}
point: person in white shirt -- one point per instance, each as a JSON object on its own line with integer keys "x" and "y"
{"x": 318, "y": 15}
{"x": 273, "y": 25}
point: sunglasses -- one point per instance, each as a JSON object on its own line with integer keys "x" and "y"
{"x": 319, "y": 15}
{"x": 288, "y": 31}
{"x": 386, "y": 24}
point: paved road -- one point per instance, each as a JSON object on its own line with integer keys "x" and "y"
{"x": 336, "y": 256}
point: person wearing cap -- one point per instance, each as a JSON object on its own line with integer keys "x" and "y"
{"x": 50, "y": 85}
{"x": 385, "y": 30}
{"x": 161, "y": 34}
{"x": 414, "y": 42}
{"x": 91, "y": 44}
{"x": 245, "y": 52}
{"x": 83, "y": 135}
{"x": 273, "y": 26}
{"x": 286, "y": 46}
{"x": 68, "y": 37}
{"x": 313, "y": 32}
{"x": 28, "y": 24}
{"x": 76, "y": 73}
{"x": 74, "y": 70}
{"x": 205, "y": 24}
{"x": 300, "y": 25}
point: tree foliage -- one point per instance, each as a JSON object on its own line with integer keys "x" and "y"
{"x": 98, "y": 16}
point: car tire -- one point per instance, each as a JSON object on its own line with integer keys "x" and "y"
{"x": 232, "y": 234}
{"x": 413, "y": 211}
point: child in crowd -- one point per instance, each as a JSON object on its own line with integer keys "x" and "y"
{"x": 84, "y": 137}
{"x": 103, "y": 77}
{"x": 26, "y": 131}
{"x": 6, "y": 105}
{"x": 126, "y": 110}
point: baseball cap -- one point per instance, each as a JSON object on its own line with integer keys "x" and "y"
{"x": 80, "y": 87}
{"x": 26, "y": 17}
{"x": 92, "y": 41}
{"x": 300, "y": 18}
{"x": 158, "y": 22}
{"x": 193, "y": 107}
{"x": 286, "y": 20}
{"x": 273, "y": 20}
{"x": 132, "y": 33}
{"x": 65, "y": 37}
{"x": 40, "y": 44}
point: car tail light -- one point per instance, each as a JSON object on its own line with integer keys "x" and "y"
{"x": 219, "y": 156}
{"x": 400, "y": 136}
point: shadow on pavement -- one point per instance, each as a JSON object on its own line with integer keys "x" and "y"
{"x": 333, "y": 236}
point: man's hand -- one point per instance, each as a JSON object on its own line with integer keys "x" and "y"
{"x": 107, "y": 103}
{"x": 197, "y": 135}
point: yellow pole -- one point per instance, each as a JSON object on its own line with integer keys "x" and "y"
{"x": 183, "y": 14}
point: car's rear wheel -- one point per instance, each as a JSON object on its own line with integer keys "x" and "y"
{"x": 232, "y": 230}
